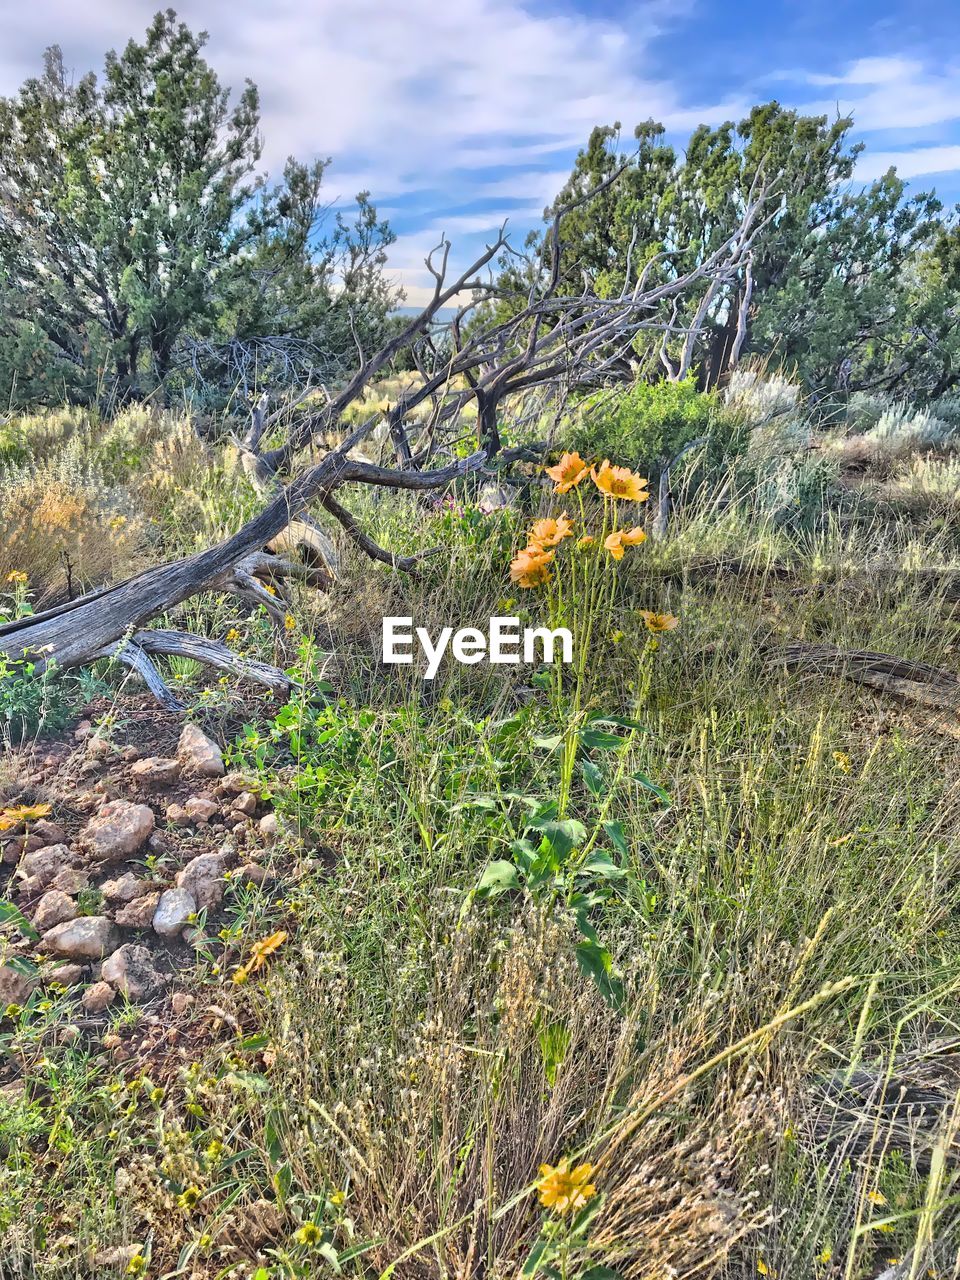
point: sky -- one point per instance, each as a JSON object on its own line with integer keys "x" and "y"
{"x": 459, "y": 114}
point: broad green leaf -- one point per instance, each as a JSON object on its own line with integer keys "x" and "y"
{"x": 498, "y": 877}
{"x": 651, "y": 786}
{"x": 614, "y": 830}
{"x": 592, "y": 776}
{"x": 9, "y": 914}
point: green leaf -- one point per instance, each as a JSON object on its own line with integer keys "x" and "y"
{"x": 497, "y": 878}
{"x": 652, "y": 786}
{"x": 592, "y": 776}
{"x": 9, "y": 914}
{"x": 549, "y": 744}
{"x": 616, "y": 836}
{"x": 600, "y": 740}
{"x": 600, "y": 1273}
{"x": 601, "y": 864}
{"x": 596, "y": 962}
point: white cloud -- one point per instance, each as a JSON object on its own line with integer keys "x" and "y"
{"x": 916, "y": 163}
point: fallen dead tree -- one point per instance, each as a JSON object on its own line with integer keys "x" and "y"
{"x": 554, "y": 340}
{"x": 915, "y": 682}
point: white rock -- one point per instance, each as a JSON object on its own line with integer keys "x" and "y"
{"x": 86, "y": 938}
{"x": 97, "y": 997}
{"x": 199, "y": 754}
{"x": 139, "y": 913}
{"x": 119, "y": 830}
{"x": 202, "y": 877}
{"x": 43, "y": 865}
{"x": 174, "y": 910}
{"x": 124, "y": 889}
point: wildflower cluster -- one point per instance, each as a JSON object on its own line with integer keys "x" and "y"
{"x": 532, "y": 567}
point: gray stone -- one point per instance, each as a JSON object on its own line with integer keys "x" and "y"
{"x": 245, "y": 803}
{"x": 173, "y": 913}
{"x": 65, "y": 975}
{"x": 131, "y": 970}
{"x": 200, "y": 809}
{"x": 156, "y": 771}
{"x": 119, "y": 830}
{"x": 54, "y": 908}
{"x": 86, "y": 938}
{"x": 42, "y": 865}
{"x": 139, "y": 913}
{"x": 14, "y": 986}
{"x": 199, "y": 754}
{"x": 125, "y": 888}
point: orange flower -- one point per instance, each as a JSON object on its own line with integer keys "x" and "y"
{"x": 21, "y": 813}
{"x": 616, "y": 542}
{"x": 258, "y": 955}
{"x": 548, "y": 532}
{"x": 620, "y": 482}
{"x": 562, "y": 1188}
{"x": 659, "y": 622}
{"x": 531, "y": 567}
{"x": 568, "y": 472}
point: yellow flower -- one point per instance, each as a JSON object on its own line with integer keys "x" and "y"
{"x": 658, "y": 622}
{"x": 531, "y": 567}
{"x": 20, "y": 813}
{"x": 266, "y": 947}
{"x": 337, "y": 1197}
{"x": 232, "y": 636}
{"x": 17, "y": 576}
{"x": 548, "y": 532}
{"x": 842, "y": 761}
{"x": 117, "y": 523}
{"x": 616, "y": 542}
{"x": 289, "y": 623}
{"x": 568, "y": 472}
{"x": 268, "y": 586}
{"x": 562, "y": 1188}
{"x": 308, "y": 1234}
{"x": 825, "y": 1255}
{"x": 620, "y": 482}
{"x": 762, "y": 1267}
{"x": 876, "y": 1197}
{"x": 189, "y": 1198}
{"x": 586, "y": 541}
{"x": 137, "y": 1265}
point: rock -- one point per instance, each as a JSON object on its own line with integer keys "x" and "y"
{"x": 245, "y": 803}
{"x": 199, "y": 809}
{"x": 158, "y": 844}
{"x": 11, "y": 851}
{"x": 203, "y": 878}
{"x": 83, "y": 731}
{"x": 70, "y": 880}
{"x": 156, "y": 771}
{"x": 234, "y": 783}
{"x": 199, "y": 754}
{"x": 177, "y": 815}
{"x": 98, "y": 748}
{"x": 125, "y": 888}
{"x": 85, "y": 938}
{"x": 54, "y": 908}
{"x": 32, "y": 843}
{"x": 43, "y": 865}
{"x": 119, "y": 830}
{"x": 129, "y": 754}
{"x": 174, "y": 910}
{"x": 14, "y": 986}
{"x": 139, "y": 913}
{"x": 180, "y": 1002}
{"x": 96, "y": 998}
{"x": 131, "y": 970}
{"x": 65, "y": 975}
{"x": 268, "y": 827}
{"x": 48, "y": 832}
{"x": 254, "y": 873}
{"x": 69, "y": 1033}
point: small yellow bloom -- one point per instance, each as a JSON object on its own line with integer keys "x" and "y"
{"x": 549, "y": 532}
{"x": 137, "y": 1265}
{"x": 117, "y": 523}
{"x": 762, "y": 1267}
{"x": 842, "y": 761}
{"x": 17, "y": 576}
{"x": 337, "y": 1197}
{"x": 562, "y": 1188}
{"x": 232, "y": 636}
{"x": 268, "y": 586}
{"x": 656, "y": 623}
{"x": 13, "y": 1011}
{"x": 189, "y": 1198}
{"x": 290, "y": 623}
{"x": 309, "y": 1234}
{"x": 568, "y": 472}
{"x": 586, "y": 541}
{"x": 620, "y": 482}
{"x": 825, "y": 1255}
{"x": 876, "y": 1197}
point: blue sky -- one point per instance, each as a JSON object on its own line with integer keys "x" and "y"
{"x": 457, "y": 115}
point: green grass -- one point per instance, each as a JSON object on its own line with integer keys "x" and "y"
{"x": 781, "y": 930}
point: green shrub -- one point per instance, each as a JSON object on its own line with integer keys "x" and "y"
{"x": 647, "y": 424}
